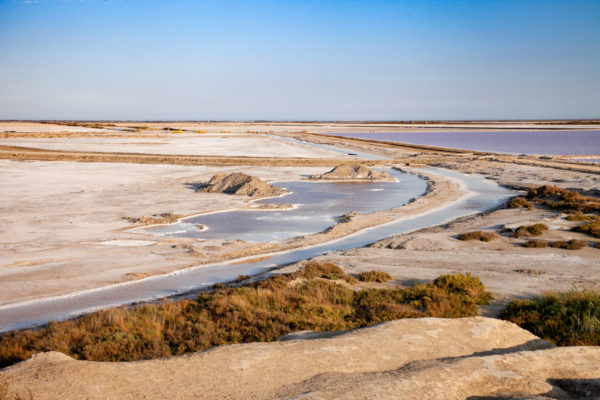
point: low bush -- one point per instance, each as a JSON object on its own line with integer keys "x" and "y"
{"x": 374, "y": 276}
{"x": 519, "y": 202}
{"x": 535, "y": 243}
{"x": 577, "y": 216}
{"x": 530, "y": 230}
{"x": 464, "y": 285}
{"x": 309, "y": 299}
{"x": 592, "y": 229}
{"x": 572, "y": 244}
{"x": 566, "y": 319}
{"x": 478, "y": 235}
{"x": 563, "y": 200}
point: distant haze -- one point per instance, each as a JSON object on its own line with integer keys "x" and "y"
{"x": 292, "y": 59}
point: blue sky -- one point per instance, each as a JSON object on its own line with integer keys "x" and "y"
{"x": 303, "y": 60}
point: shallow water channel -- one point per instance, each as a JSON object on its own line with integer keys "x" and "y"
{"x": 484, "y": 195}
{"x": 315, "y": 208}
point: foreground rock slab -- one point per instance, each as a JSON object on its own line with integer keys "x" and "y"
{"x": 426, "y": 358}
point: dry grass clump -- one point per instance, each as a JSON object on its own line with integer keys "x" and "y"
{"x": 320, "y": 297}
{"x": 530, "y": 230}
{"x": 374, "y": 276}
{"x": 478, "y": 235}
{"x": 592, "y": 229}
{"x": 535, "y": 244}
{"x": 155, "y": 219}
{"x": 564, "y": 200}
{"x": 564, "y": 318}
{"x": 519, "y": 202}
{"x": 572, "y": 244}
{"x": 577, "y": 216}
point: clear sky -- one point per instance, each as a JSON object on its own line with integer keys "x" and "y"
{"x": 303, "y": 60}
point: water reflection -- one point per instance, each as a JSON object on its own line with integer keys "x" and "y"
{"x": 316, "y": 205}
{"x": 485, "y": 195}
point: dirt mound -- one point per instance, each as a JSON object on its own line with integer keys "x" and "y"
{"x": 354, "y": 172}
{"x": 242, "y": 185}
{"x": 431, "y": 242}
{"x": 426, "y": 358}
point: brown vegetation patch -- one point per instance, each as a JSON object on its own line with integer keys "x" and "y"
{"x": 592, "y": 229}
{"x": 563, "y": 200}
{"x": 528, "y": 271}
{"x": 535, "y": 244}
{"x": 478, "y": 235}
{"x": 162, "y": 218}
{"x": 572, "y": 244}
{"x": 530, "y": 230}
{"x": 519, "y": 202}
{"x": 259, "y": 311}
{"x": 374, "y": 276}
{"x": 578, "y": 216}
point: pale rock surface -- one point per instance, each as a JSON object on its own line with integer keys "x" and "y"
{"x": 426, "y": 358}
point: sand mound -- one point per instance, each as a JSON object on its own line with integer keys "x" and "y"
{"x": 427, "y": 358}
{"x": 242, "y": 185}
{"x": 431, "y": 242}
{"x": 354, "y": 172}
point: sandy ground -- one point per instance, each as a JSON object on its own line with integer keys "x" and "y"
{"x": 506, "y": 268}
{"x": 37, "y": 127}
{"x": 209, "y": 145}
{"x": 62, "y": 226}
{"x": 64, "y": 230}
{"x": 56, "y": 217}
{"x": 322, "y": 127}
{"x": 424, "y": 358}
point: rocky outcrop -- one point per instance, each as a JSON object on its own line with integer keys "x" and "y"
{"x": 354, "y": 172}
{"x": 426, "y": 358}
{"x": 242, "y": 185}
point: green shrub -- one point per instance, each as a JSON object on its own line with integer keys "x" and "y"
{"x": 478, "y": 235}
{"x": 309, "y": 299}
{"x": 592, "y": 229}
{"x": 572, "y": 244}
{"x": 464, "y": 285}
{"x": 566, "y": 319}
{"x": 535, "y": 243}
{"x": 326, "y": 271}
{"x": 374, "y": 276}
{"x": 530, "y": 230}
{"x": 519, "y": 202}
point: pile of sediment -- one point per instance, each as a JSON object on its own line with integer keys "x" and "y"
{"x": 354, "y": 172}
{"x": 426, "y": 358}
{"x": 241, "y": 184}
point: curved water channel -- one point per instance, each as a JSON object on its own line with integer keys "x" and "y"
{"x": 483, "y": 195}
{"x": 315, "y": 207}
